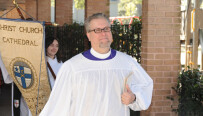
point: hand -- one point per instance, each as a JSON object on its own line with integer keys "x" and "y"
{"x": 127, "y": 97}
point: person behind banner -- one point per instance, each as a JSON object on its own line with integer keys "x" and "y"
{"x": 54, "y": 61}
{"x": 17, "y": 110}
{"x": 100, "y": 81}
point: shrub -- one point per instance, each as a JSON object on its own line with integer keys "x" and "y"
{"x": 190, "y": 93}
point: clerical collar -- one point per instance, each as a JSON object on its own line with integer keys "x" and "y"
{"x": 93, "y": 55}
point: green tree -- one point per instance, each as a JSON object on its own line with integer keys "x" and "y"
{"x": 128, "y": 7}
{"x": 79, "y": 4}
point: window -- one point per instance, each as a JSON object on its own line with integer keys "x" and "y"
{"x": 52, "y": 11}
{"x": 201, "y": 4}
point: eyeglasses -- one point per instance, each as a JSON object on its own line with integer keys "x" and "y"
{"x": 99, "y": 30}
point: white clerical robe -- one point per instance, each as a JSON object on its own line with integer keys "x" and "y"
{"x": 87, "y": 86}
{"x": 55, "y": 65}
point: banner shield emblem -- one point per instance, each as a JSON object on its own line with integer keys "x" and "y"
{"x": 23, "y": 75}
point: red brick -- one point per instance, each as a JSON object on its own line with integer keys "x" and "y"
{"x": 154, "y": 62}
{"x": 163, "y": 68}
{"x": 163, "y": 8}
{"x": 167, "y": 109}
{"x": 149, "y": 56}
{"x": 172, "y": 2}
{"x": 156, "y": 2}
{"x": 148, "y": 32}
{"x": 31, "y": 8}
{"x": 148, "y": 20}
{"x": 162, "y": 114}
{"x": 44, "y": 12}
{"x": 168, "y": 86}
{"x": 14, "y": 13}
{"x": 175, "y": 80}
{"x": 151, "y": 7}
{"x": 156, "y": 74}
{"x": 157, "y": 109}
{"x": 154, "y": 50}
{"x": 155, "y": 14}
{"x": 163, "y": 80}
{"x": 164, "y": 26}
{"x": 157, "y": 98}
{"x": 92, "y": 8}
{"x": 162, "y": 103}
{"x": 172, "y": 14}
{"x": 164, "y": 44}
{"x": 177, "y": 32}
{"x": 161, "y": 37}
{"x": 169, "y": 62}
{"x": 176, "y": 20}
{"x": 177, "y": 68}
{"x": 149, "y": 68}
{"x": 176, "y": 8}
{"x": 162, "y": 92}
{"x": 64, "y": 11}
{"x": 163, "y": 56}
{"x": 148, "y": 44}
{"x": 164, "y": 20}
{"x": 146, "y": 113}
{"x": 164, "y": 32}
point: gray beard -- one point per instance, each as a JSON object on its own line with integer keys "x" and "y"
{"x": 105, "y": 45}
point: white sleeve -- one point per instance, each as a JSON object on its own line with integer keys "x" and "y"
{"x": 6, "y": 77}
{"x": 142, "y": 86}
{"x": 60, "y": 98}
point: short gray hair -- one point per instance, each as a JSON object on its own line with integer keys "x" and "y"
{"x": 95, "y": 16}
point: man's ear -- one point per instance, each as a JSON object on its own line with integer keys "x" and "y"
{"x": 88, "y": 35}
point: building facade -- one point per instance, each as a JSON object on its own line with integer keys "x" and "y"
{"x": 160, "y": 39}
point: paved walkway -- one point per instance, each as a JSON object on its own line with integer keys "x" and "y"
{"x": 5, "y": 100}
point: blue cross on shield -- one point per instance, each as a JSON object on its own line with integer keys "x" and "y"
{"x": 23, "y": 76}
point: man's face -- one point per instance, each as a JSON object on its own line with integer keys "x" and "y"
{"x": 99, "y": 40}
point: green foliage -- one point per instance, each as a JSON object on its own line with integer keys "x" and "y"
{"x": 53, "y": 3}
{"x": 128, "y": 7}
{"x": 127, "y": 38}
{"x": 79, "y": 4}
{"x": 190, "y": 91}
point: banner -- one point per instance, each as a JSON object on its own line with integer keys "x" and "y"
{"x": 22, "y": 51}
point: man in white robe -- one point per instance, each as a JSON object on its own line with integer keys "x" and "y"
{"x": 100, "y": 81}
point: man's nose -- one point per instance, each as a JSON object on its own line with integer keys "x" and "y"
{"x": 103, "y": 32}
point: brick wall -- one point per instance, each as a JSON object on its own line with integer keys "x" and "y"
{"x": 40, "y": 11}
{"x": 96, "y": 6}
{"x": 64, "y": 11}
{"x": 13, "y": 14}
{"x": 161, "y": 51}
{"x": 44, "y": 10}
{"x": 160, "y": 41}
{"x": 6, "y": 6}
{"x": 31, "y": 8}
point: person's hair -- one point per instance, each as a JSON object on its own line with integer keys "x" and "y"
{"x": 29, "y": 19}
{"x": 94, "y": 16}
{"x": 48, "y": 42}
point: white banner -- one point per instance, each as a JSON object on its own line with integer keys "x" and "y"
{"x": 22, "y": 51}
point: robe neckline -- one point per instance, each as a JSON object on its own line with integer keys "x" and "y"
{"x": 91, "y": 54}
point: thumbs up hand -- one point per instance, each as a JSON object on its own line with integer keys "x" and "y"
{"x": 127, "y": 97}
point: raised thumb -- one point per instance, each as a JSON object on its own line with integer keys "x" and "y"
{"x": 128, "y": 88}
